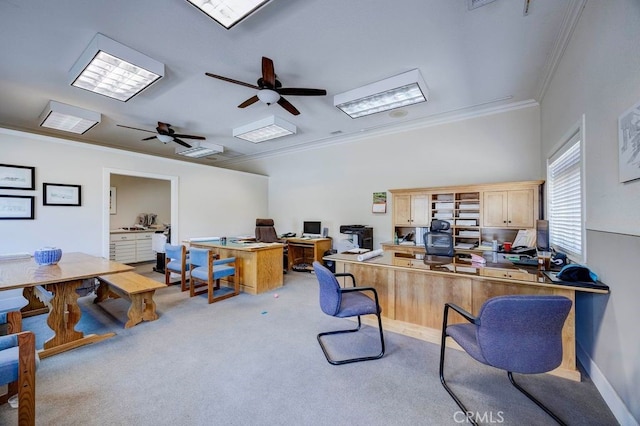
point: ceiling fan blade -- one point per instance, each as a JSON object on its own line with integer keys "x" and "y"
{"x": 252, "y": 100}
{"x": 287, "y": 105}
{"x": 175, "y": 135}
{"x": 298, "y": 91}
{"x": 268, "y": 73}
{"x": 183, "y": 143}
{"x": 230, "y": 80}
{"x": 149, "y": 138}
{"x": 135, "y": 128}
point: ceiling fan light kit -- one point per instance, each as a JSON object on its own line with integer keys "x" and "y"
{"x": 68, "y": 118}
{"x": 228, "y": 12}
{"x": 164, "y": 138}
{"x": 398, "y": 91}
{"x": 111, "y": 69}
{"x": 268, "y": 96}
{"x": 200, "y": 149}
{"x": 266, "y": 129}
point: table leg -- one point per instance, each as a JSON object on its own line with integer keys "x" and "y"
{"x": 63, "y": 316}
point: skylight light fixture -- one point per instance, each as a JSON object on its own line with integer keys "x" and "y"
{"x": 228, "y": 12}
{"x": 111, "y": 69}
{"x": 200, "y": 149}
{"x": 263, "y": 130}
{"x": 395, "y": 92}
{"x": 68, "y": 118}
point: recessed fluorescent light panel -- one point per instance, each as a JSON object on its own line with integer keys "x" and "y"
{"x": 200, "y": 149}
{"x": 228, "y": 12}
{"x": 264, "y": 130}
{"x": 111, "y": 69}
{"x": 68, "y": 118}
{"x": 395, "y": 92}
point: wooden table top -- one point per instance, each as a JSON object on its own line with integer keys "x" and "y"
{"x": 19, "y": 273}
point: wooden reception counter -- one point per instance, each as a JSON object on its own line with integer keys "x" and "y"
{"x": 413, "y": 289}
{"x": 258, "y": 265}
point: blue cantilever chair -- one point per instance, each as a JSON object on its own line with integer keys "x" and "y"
{"x": 176, "y": 261}
{"x": 519, "y": 334}
{"x": 344, "y": 303}
{"x": 207, "y": 268}
{"x": 18, "y": 361}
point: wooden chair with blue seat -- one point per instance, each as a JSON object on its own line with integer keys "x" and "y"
{"x": 345, "y": 303}
{"x": 176, "y": 261}
{"x": 207, "y": 269}
{"x": 11, "y": 301}
{"x": 517, "y": 333}
{"x": 18, "y": 362}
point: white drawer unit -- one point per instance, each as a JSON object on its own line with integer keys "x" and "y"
{"x": 144, "y": 252}
{"x": 131, "y": 247}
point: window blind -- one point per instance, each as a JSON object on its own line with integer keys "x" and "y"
{"x": 565, "y": 199}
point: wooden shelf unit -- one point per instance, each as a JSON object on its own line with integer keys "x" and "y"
{"x": 475, "y": 212}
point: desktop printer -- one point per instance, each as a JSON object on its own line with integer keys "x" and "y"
{"x": 362, "y": 236}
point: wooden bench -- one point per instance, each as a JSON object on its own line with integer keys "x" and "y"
{"x": 134, "y": 287}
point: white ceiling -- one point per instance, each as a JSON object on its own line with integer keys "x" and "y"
{"x": 471, "y": 60}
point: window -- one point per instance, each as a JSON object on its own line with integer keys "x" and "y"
{"x": 565, "y": 206}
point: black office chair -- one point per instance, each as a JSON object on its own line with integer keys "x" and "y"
{"x": 519, "y": 334}
{"x": 266, "y": 233}
{"x": 344, "y": 303}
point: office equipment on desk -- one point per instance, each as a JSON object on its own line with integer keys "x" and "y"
{"x": 553, "y": 276}
{"x": 525, "y": 238}
{"x": 361, "y": 236}
{"x": 542, "y": 235}
{"x": 312, "y": 229}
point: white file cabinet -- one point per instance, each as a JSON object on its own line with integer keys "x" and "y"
{"x": 131, "y": 247}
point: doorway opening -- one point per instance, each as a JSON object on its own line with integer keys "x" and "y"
{"x": 107, "y": 209}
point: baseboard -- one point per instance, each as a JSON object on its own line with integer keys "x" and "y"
{"x": 610, "y": 396}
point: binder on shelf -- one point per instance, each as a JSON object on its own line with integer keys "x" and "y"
{"x": 469, "y": 215}
{"x": 444, "y": 206}
{"x": 465, "y": 206}
{"x": 466, "y": 222}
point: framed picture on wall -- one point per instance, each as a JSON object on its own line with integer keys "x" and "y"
{"x": 629, "y": 144}
{"x": 59, "y": 194}
{"x": 17, "y": 207}
{"x": 17, "y": 177}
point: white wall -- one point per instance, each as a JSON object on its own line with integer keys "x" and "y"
{"x": 212, "y": 201}
{"x": 599, "y": 76}
{"x": 135, "y": 195}
{"x": 335, "y": 183}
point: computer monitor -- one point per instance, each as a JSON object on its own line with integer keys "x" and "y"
{"x": 311, "y": 228}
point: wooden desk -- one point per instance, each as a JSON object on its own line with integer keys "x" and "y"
{"x": 307, "y": 250}
{"x": 62, "y": 280}
{"x": 412, "y": 293}
{"x": 258, "y": 265}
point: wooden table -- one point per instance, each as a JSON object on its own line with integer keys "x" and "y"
{"x": 258, "y": 265}
{"x": 413, "y": 290}
{"x": 62, "y": 280}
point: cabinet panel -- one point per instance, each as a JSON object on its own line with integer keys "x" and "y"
{"x": 402, "y": 210}
{"x": 510, "y": 209}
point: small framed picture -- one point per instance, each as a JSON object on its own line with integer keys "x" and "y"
{"x": 17, "y": 177}
{"x": 59, "y": 194}
{"x": 16, "y": 207}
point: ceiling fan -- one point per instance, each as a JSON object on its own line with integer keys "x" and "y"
{"x": 270, "y": 89}
{"x": 165, "y": 134}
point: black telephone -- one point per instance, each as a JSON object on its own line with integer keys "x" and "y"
{"x": 288, "y": 235}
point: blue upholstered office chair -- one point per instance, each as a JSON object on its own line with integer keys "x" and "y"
{"x": 18, "y": 361}
{"x": 11, "y": 301}
{"x": 176, "y": 261}
{"x": 207, "y": 268}
{"x": 519, "y": 334}
{"x": 344, "y": 303}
